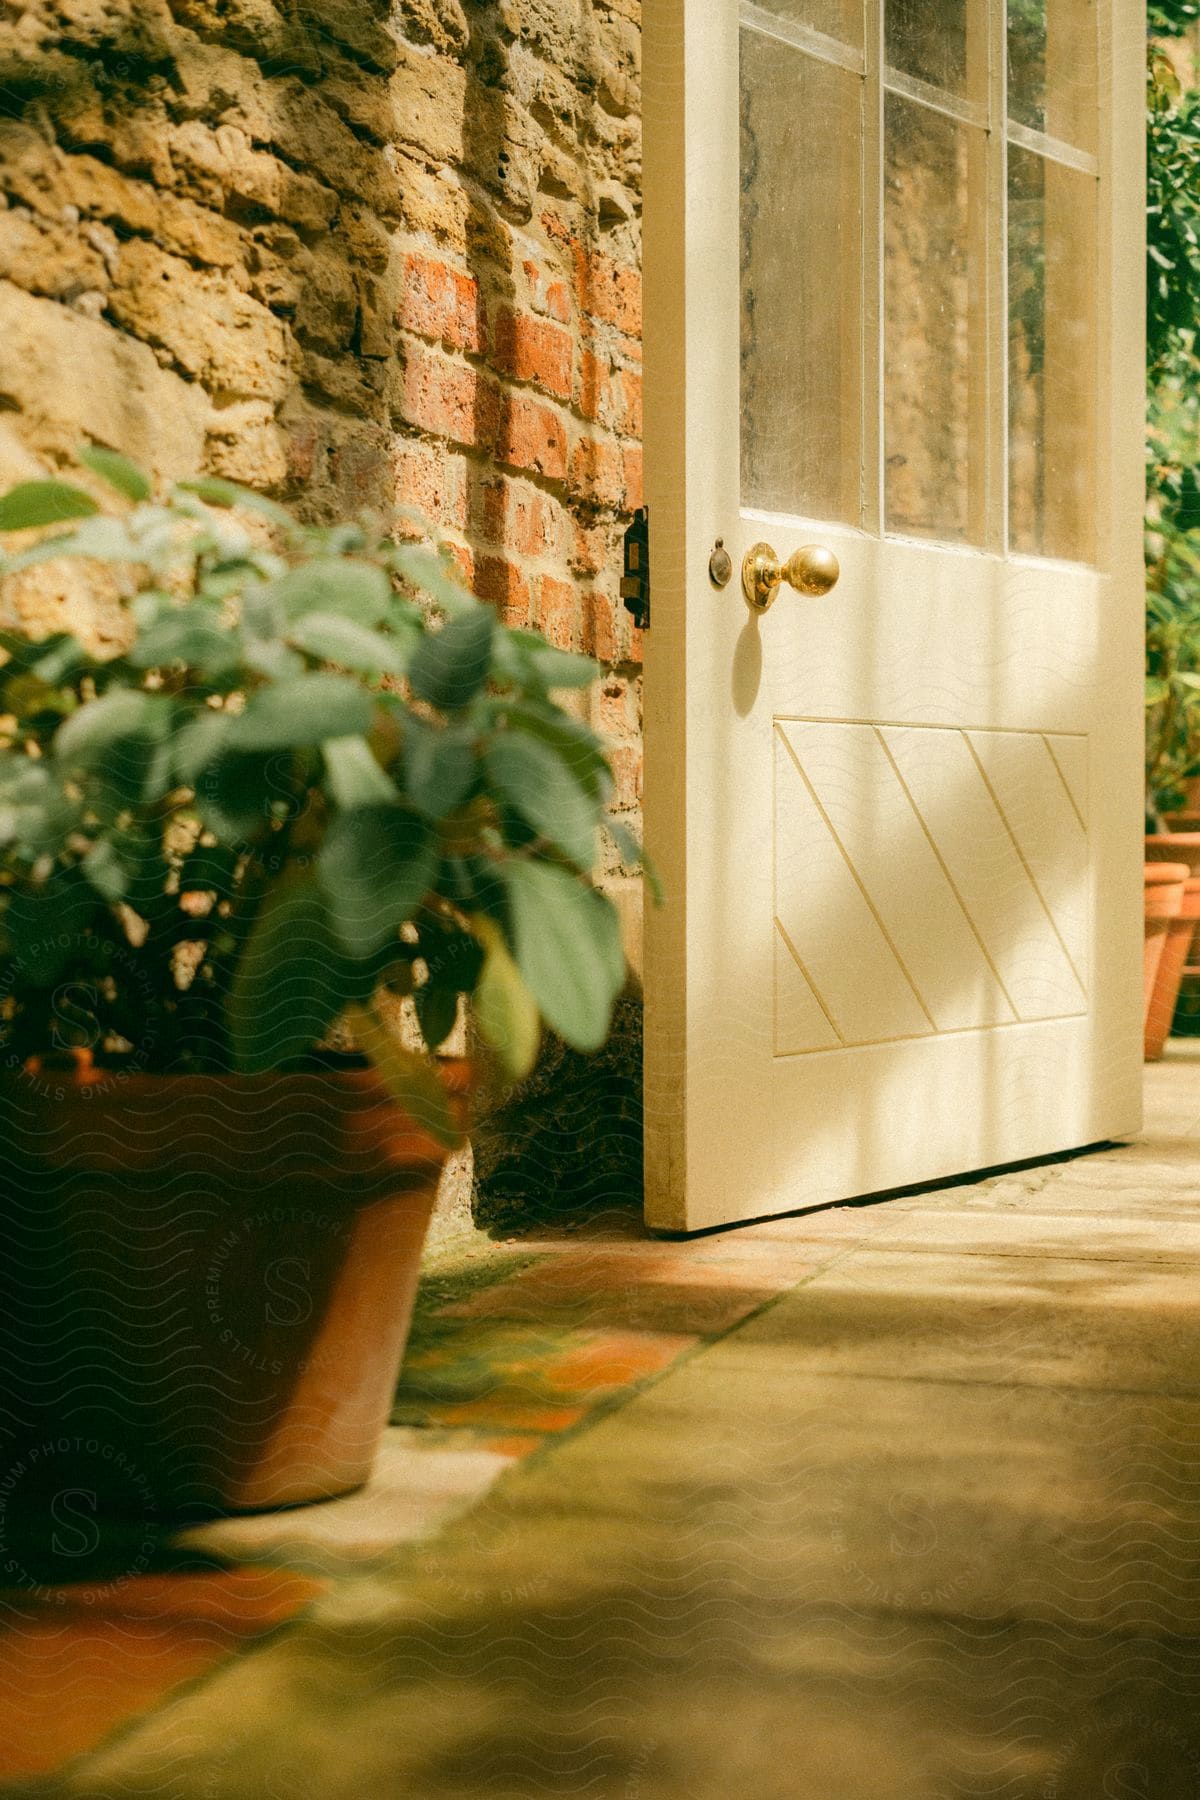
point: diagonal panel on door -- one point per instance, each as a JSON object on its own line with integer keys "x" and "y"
{"x": 948, "y": 787}
{"x": 1026, "y": 786}
{"x": 881, "y": 835}
{"x": 832, "y": 926}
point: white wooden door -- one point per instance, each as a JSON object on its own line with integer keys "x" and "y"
{"x": 894, "y": 310}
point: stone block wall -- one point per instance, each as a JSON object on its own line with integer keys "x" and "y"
{"x": 348, "y": 254}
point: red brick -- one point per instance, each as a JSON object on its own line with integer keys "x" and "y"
{"x": 558, "y": 301}
{"x": 448, "y": 399}
{"x": 549, "y": 296}
{"x": 556, "y": 611}
{"x": 419, "y": 480}
{"x": 501, "y": 582}
{"x": 466, "y": 563}
{"x": 532, "y": 436}
{"x": 533, "y": 350}
{"x": 593, "y": 384}
{"x": 598, "y": 473}
{"x": 613, "y": 708}
{"x": 626, "y": 351}
{"x": 633, "y": 478}
{"x": 431, "y": 482}
{"x": 517, "y": 516}
{"x": 441, "y": 303}
{"x": 600, "y": 627}
{"x": 629, "y": 383}
{"x": 609, "y": 291}
{"x": 593, "y": 549}
{"x": 626, "y": 761}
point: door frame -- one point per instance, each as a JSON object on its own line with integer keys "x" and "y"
{"x": 692, "y": 354}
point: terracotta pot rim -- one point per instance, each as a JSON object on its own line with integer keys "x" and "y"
{"x": 454, "y": 1072}
{"x": 273, "y": 1130}
{"x": 1165, "y": 874}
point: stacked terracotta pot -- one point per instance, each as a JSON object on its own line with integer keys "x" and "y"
{"x": 1172, "y": 914}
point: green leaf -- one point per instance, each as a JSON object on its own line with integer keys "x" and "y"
{"x": 632, "y": 852}
{"x": 272, "y": 659}
{"x": 33, "y": 503}
{"x": 199, "y": 742}
{"x": 440, "y": 767}
{"x": 304, "y": 710}
{"x": 434, "y": 576}
{"x": 339, "y": 640}
{"x": 189, "y": 638}
{"x": 23, "y": 781}
{"x": 505, "y": 1010}
{"x": 409, "y": 1078}
{"x": 100, "y": 725}
{"x": 102, "y": 539}
{"x": 215, "y": 492}
{"x": 33, "y": 810}
{"x": 568, "y": 949}
{"x": 376, "y": 866}
{"x": 530, "y": 777}
{"x": 563, "y": 669}
{"x": 291, "y": 983}
{"x": 451, "y": 665}
{"x": 436, "y": 1005}
{"x": 117, "y": 470}
{"x": 353, "y": 776}
{"x": 236, "y": 795}
{"x": 64, "y": 656}
{"x": 359, "y": 591}
{"x": 525, "y": 659}
{"x": 106, "y": 871}
{"x": 575, "y": 742}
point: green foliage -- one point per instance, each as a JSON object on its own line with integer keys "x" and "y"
{"x": 1173, "y": 434}
{"x": 1171, "y": 18}
{"x": 319, "y": 771}
{"x": 1172, "y": 217}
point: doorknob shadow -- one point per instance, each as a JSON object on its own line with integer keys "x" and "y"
{"x": 747, "y": 667}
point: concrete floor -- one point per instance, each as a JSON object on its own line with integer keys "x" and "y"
{"x": 895, "y": 1503}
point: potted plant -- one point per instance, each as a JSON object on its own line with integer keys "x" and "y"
{"x": 253, "y": 865}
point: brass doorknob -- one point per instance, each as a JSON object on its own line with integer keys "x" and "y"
{"x": 810, "y": 570}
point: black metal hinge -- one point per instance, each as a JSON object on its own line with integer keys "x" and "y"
{"x": 635, "y": 582}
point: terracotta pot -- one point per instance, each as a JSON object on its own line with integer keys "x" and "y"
{"x": 214, "y": 1283}
{"x": 1176, "y": 944}
{"x": 1175, "y": 847}
{"x": 1164, "y": 885}
{"x": 1184, "y": 824}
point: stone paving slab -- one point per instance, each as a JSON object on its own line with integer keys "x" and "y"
{"x": 1015, "y": 1320}
{"x": 1120, "y": 1237}
{"x": 421, "y": 1482}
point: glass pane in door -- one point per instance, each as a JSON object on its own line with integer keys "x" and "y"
{"x": 801, "y": 231}
{"x": 935, "y": 362}
{"x": 1052, "y": 68}
{"x": 842, "y": 20}
{"x": 939, "y": 42}
{"x": 1052, "y": 373}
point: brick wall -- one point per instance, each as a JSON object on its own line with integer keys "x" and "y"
{"x": 348, "y": 252}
